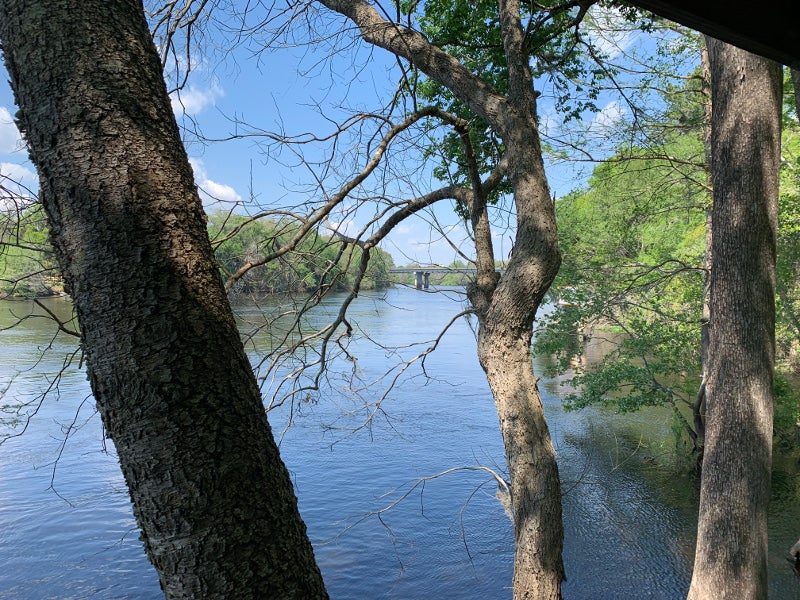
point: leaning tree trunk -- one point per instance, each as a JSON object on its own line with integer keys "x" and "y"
{"x": 504, "y": 340}
{"x": 173, "y": 385}
{"x": 731, "y": 556}
{"x": 506, "y": 317}
{"x": 506, "y": 311}
{"x": 505, "y": 314}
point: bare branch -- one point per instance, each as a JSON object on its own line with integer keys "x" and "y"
{"x": 61, "y": 325}
{"x": 433, "y": 61}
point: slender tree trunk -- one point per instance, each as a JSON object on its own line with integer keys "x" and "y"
{"x": 504, "y": 340}
{"x": 731, "y": 556}
{"x": 504, "y": 353}
{"x": 699, "y": 408}
{"x": 506, "y": 313}
{"x": 172, "y": 383}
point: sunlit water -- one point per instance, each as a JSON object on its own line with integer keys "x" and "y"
{"x": 67, "y": 531}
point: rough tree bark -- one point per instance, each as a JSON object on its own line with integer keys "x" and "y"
{"x": 731, "y": 555}
{"x": 173, "y": 385}
{"x": 506, "y": 307}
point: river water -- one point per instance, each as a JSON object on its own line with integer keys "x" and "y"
{"x": 67, "y": 531}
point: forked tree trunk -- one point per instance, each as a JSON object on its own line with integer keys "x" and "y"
{"x": 506, "y": 310}
{"x": 731, "y": 556}
{"x": 173, "y": 385}
{"x": 506, "y": 316}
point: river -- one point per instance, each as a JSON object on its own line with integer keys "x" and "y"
{"x": 67, "y": 531}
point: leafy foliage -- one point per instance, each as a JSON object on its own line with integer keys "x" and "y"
{"x": 633, "y": 243}
{"x": 633, "y": 246}
{"x": 561, "y": 56}
{"x": 631, "y": 284}
{"x": 788, "y": 267}
{"x": 27, "y": 264}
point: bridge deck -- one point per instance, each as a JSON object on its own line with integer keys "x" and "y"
{"x": 435, "y": 270}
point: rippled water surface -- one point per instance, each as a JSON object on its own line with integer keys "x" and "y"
{"x": 66, "y": 528}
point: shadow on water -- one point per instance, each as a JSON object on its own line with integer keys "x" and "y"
{"x": 630, "y": 510}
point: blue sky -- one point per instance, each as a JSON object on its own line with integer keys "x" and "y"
{"x": 285, "y": 90}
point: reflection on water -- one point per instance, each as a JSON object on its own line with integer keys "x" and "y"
{"x": 66, "y": 529}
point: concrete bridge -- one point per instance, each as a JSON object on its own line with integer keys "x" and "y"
{"x": 422, "y": 274}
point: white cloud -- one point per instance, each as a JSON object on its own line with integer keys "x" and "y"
{"x": 608, "y": 117}
{"x": 609, "y": 32}
{"x": 193, "y": 99}
{"x": 346, "y": 227}
{"x": 18, "y": 185}
{"x": 19, "y": 173}
{"x": 10, "y": 140}
{"x": 211, "y": 191}
{"x": 220, "y": 191}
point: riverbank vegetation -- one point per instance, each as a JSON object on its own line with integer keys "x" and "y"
{"x": 27, "y": 263}
{"x": 318, "y": 263}
{"x": 634, "y": 278}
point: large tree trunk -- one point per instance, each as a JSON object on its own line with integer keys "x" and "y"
{"x": 173, "y": 385}
{"x": 533, "y": 472}
{"x": 504, "y": 351}
{"x": 731, "y": 555}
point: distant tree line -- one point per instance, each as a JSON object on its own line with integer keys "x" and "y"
{"x": 28, "y": 269}
{"x": 27, "y": 262}
{"x": 320, "y": 261}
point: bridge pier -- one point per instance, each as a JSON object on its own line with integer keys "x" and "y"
{"x": 422, "y": 279}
